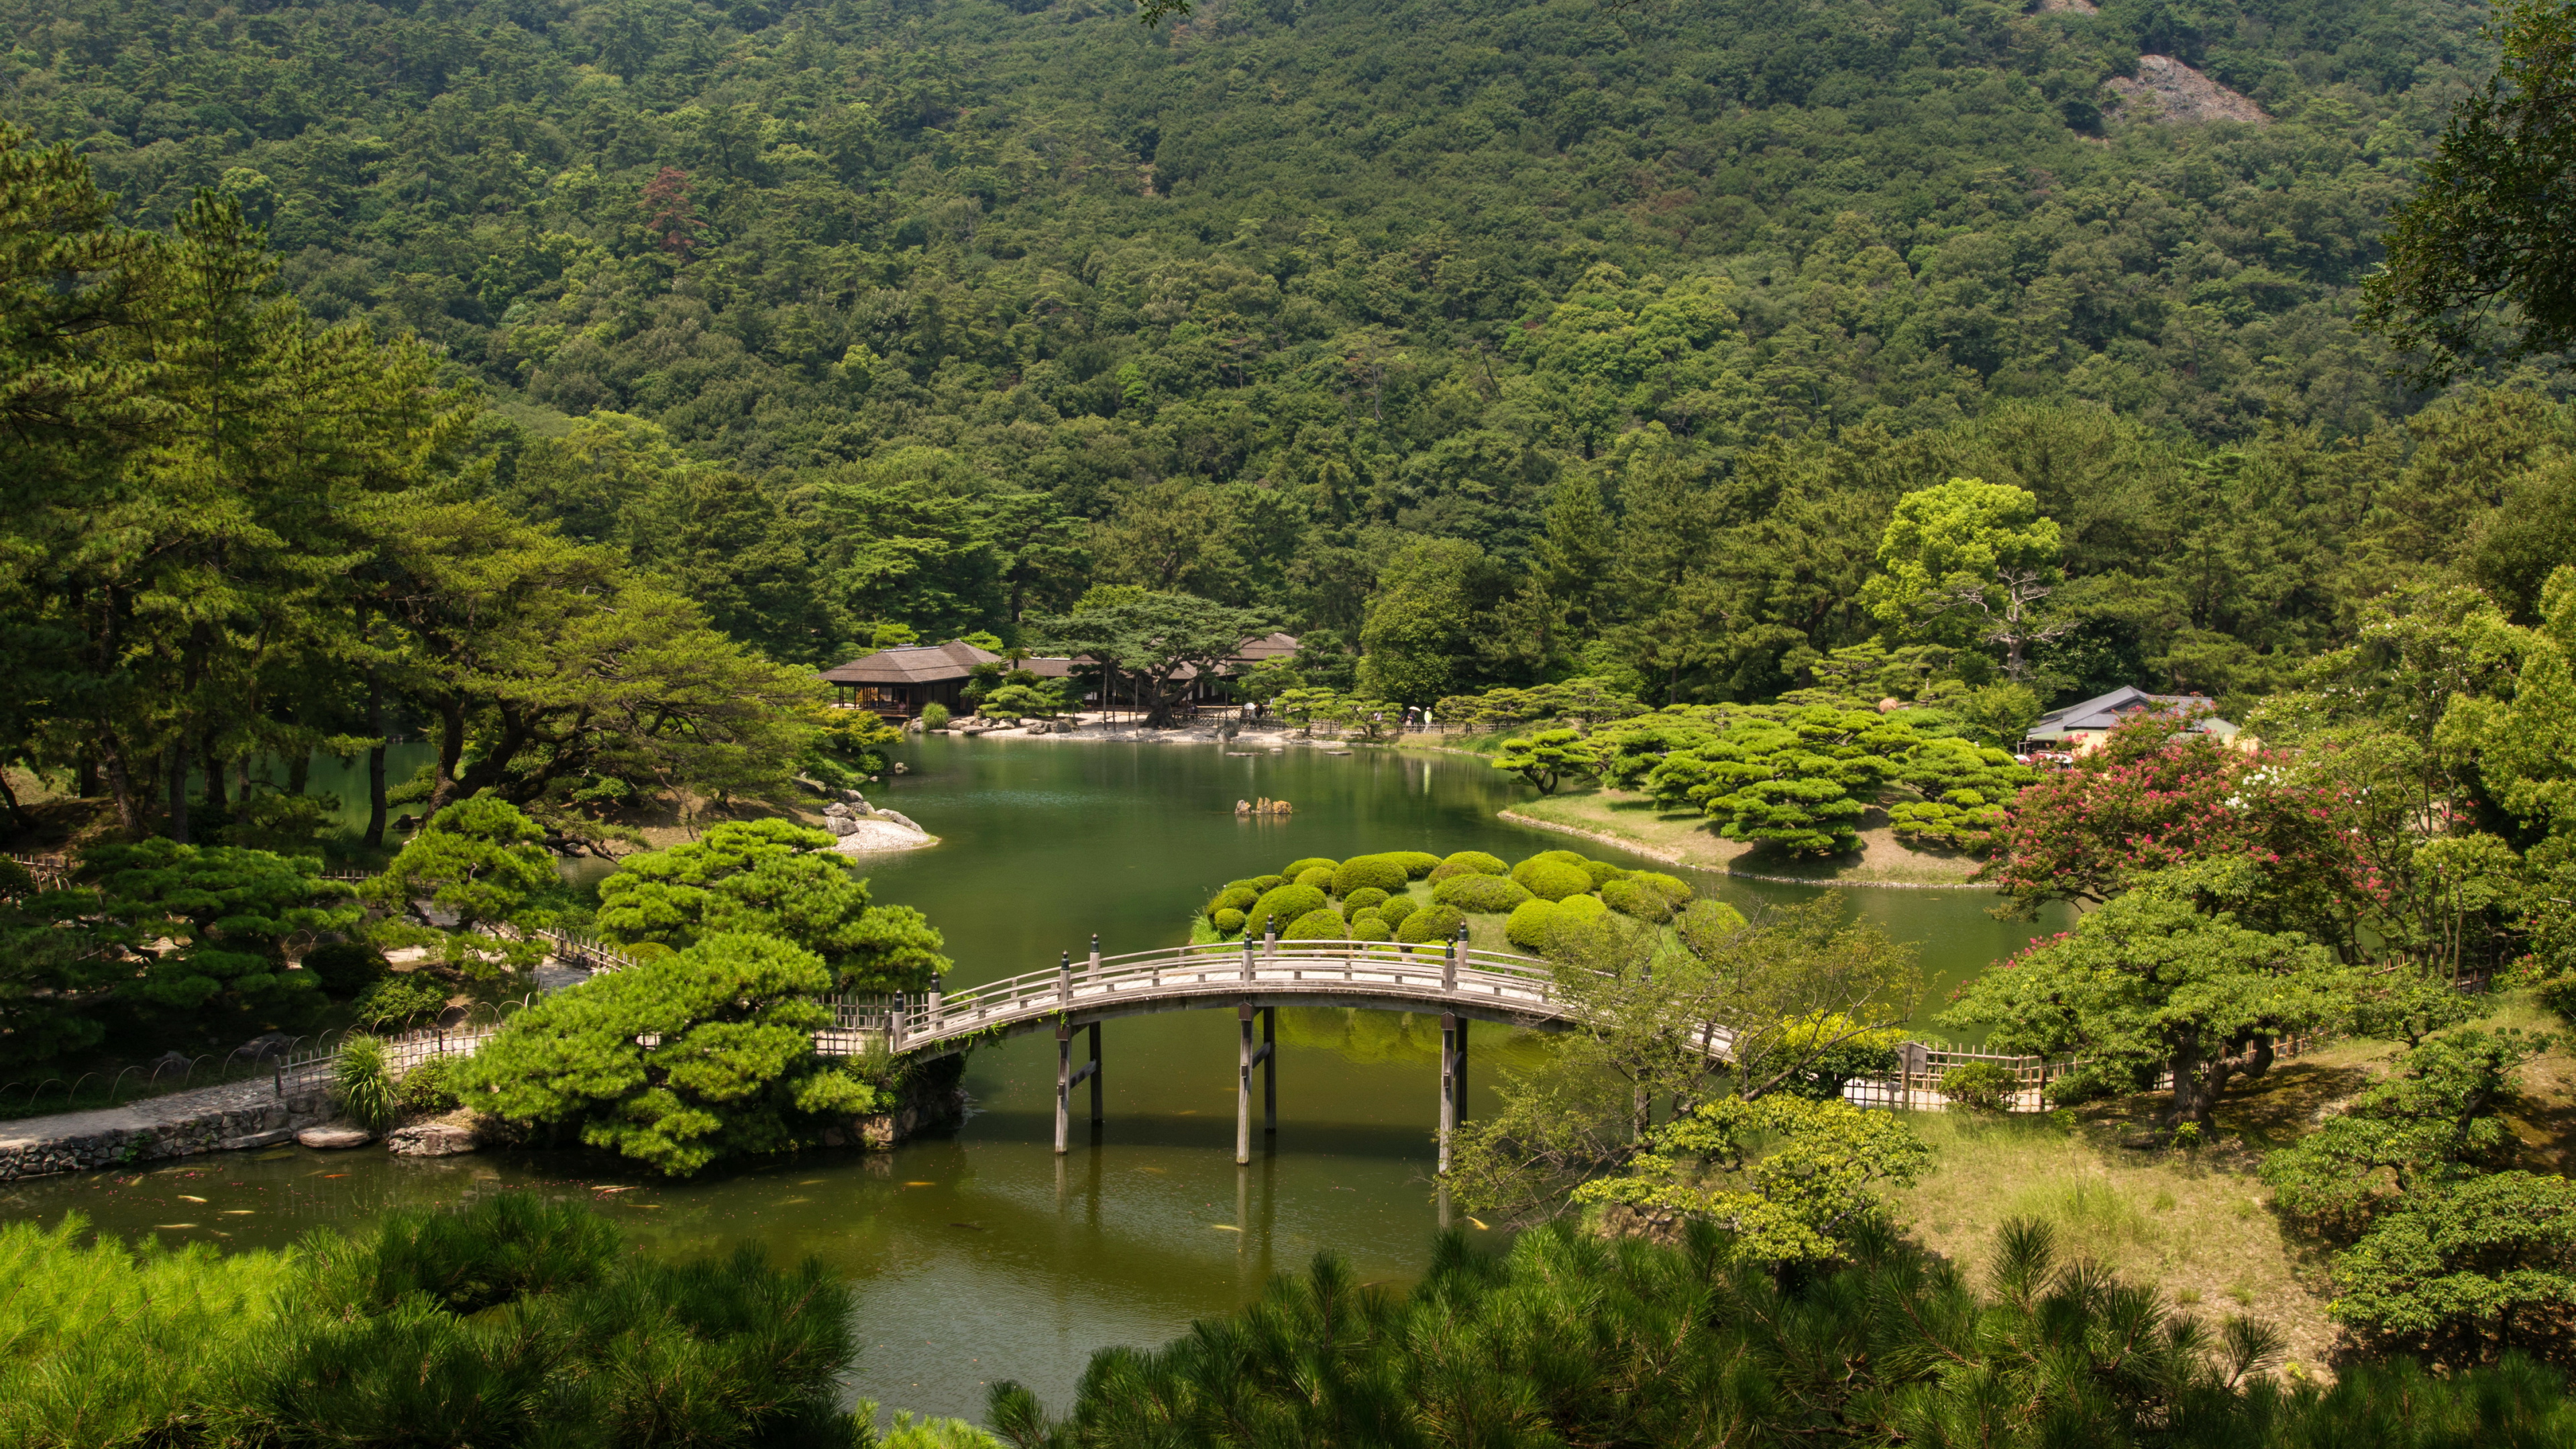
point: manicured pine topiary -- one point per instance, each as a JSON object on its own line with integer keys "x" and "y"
{"x": 1483, "y": 894}
{"x": 1362, "y": 899}
{"x": 1320, "y": 877}
{"x": 1321, "y": 924}
{"x": 1397, "y": 908}
{"x": 1285, "y": 904}
{"x": 1416, "y": 863}
{"x": 1296, "y": 868}
{"x": 1429, "y": 924}
{"x": 1228, "y": 923}
{"x": 1552, "y": 879}
{"x": 1237, "y": 899}
{"x": 1367, "y": 871}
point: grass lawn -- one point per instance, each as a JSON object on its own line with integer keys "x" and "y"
{"x": 1683, "y": 837}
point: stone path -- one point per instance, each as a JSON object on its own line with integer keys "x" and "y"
{"x": 222, "y": 1118}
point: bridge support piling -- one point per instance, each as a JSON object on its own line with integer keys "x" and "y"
{"x": 1243, "y": 1087}
{"x": 1453, "y": 1041}
{"x": 1063, "y": 1085}
{"x": 1270, "y": 1069}
{"x": 1095, "y": 1074}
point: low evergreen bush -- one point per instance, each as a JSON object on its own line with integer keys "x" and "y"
{"x": 1469, "y": 862}
{"x": 1533, "y": 923}
{"x": 1363, "y": 899}
{"x": 1362, "y": 872}
{"x": 934, "y": 716}
{"x": 1483, "y": 894}
{"x": 1676, "y": 891}
{"x": 1603, "y": 872}
{"x": 432, "y": 1086}
{"x": 1228, "y": 922}
{"x": 1416, "y": 863}
{"x": 1980, "y": 1086}
{"x": 1634, "y": 898}
{"x": 1284, "y": 905}
{"x": 1268, "y": 882}
{"x": 1236, "y": 898}
{"x": 1296, "y": 868}
{"x": 1321, "y": 924}
{"x": 1371, "y": 928}
{"x": 1397, "y": 908}
{"x": 1431, "y": 923}
{"x": 1320, "y": 877}
{"x": 1552, "y": 880}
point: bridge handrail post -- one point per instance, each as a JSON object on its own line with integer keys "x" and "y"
{"x": 1064, "y": 980}
{"x": 894, "y": 1026}
{"x": 937, "y": 1006}
{"x": 1247, "y": 949}
{"x": 1091, "y": 976}
{"x": 1449, "y": 961}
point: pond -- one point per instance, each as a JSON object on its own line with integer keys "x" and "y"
{"x": 985, "y": 1255}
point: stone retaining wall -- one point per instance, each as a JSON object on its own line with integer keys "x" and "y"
{"x": 159, "y": 1128}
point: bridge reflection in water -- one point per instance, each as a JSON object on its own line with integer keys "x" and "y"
{"x": 1255, "y": 978}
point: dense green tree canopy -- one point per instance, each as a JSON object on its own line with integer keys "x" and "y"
{"x": 776, "y": 879}
{"x": 731, "y": 1067}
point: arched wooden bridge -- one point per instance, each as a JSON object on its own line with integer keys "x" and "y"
{"x": 1255, "y": 978}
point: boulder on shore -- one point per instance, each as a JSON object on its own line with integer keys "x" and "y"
{"x": 334, "y": 1137}
{"x": 431, "y": 1139}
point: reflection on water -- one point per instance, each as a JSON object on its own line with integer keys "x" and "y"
{"x": 986, "y": 1255}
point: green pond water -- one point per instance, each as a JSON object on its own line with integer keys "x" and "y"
{"x": 984, "y": 1255}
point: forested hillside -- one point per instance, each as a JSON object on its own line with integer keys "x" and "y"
{"x": 1603, "y": 336}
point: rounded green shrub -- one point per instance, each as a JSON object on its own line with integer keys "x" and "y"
{"x": 1296, "y": 868}
{"x": 1552, "y": 879}
{"x": 1321, "y": 924}
{"x": 1363, "y": 898}
{"x": 1582, "y": 908}
{"x": 1366, "y": 913}
{"x": 1362, "y": 872}
{"x": 1480, "y": 893}
{"x": 1477, "y": 861}
{"x": 1320, "y": 877}
{"x": 1532, "y": 923}
{"x": 1603, "y": 872}
{"x": 1228, "y": 922}
{"x": 1712, "y": 917}
{"x": 1371, "y": 929}
{"x": 1284, "y": 904}
{"x": 1397, "y": 908}
{"x": 1237, "y": 899}
{"x": 345, "y": 968}
{"x": 1676, "y": 891}
{"x": 1416, "y": 863}
{"x": 1980, "y": 1086}
{"x": 1569, "y": 857}
{"x": 1634, "y": 898}
{"x": 1268, "y": 882}
{"x": 1431, "y": 923}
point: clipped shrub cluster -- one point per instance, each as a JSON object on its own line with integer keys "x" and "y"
{"x": 1484, "y": 894}
{"x": 1372, "y": 897}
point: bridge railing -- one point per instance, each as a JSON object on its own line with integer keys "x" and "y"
{"x": 1430, "y": 970}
